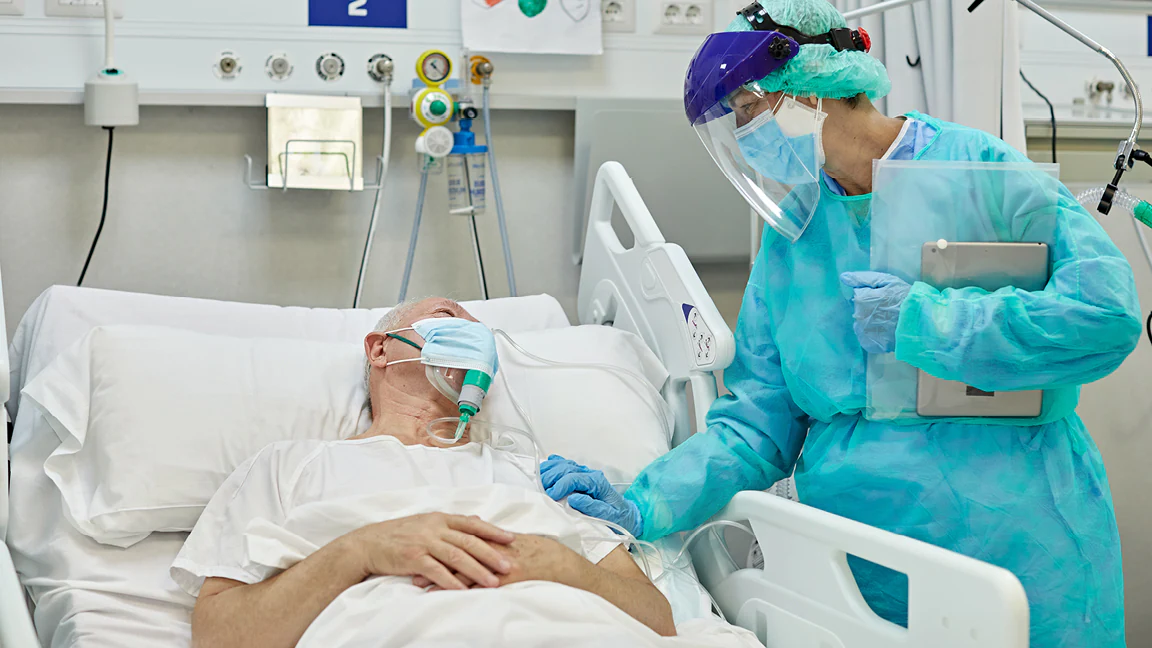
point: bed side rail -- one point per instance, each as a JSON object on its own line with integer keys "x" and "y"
{"x": 4, "y": 386}
{"x": 653, "y": 291}
{"x": 4, "y": 378}
{"x": 16, "y": 629}
{"x": 806, "y": 596}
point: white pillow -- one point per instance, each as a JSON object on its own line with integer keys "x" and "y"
{"x": 152, "y": 420}
{"x": 596, "y": 417}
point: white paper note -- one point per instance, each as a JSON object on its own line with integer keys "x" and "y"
{"x": 532, "y": 26}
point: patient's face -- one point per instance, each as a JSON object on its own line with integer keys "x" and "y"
{"x": 410, "y": 377}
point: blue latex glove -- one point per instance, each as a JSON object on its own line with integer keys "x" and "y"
{"x": 876, "y": 298}
{"x": 589, "y": 492}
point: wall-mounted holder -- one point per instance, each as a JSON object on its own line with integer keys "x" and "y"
{"x": 285, "y": 157}
{"x": 315, "y": 142}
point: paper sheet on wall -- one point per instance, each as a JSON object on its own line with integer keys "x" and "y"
{"x": 532, "y": 26}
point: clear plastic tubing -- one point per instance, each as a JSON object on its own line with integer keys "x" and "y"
{"x": 1140, "y": 211}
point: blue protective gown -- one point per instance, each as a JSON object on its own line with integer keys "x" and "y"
{"x": 1033, "y": 499}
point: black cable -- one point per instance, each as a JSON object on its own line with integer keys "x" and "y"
{"x": 1140, "y": 155}
{"x": 103, "y": 210}
{"x": 1148, "y": 327}
{"x": 479, "y": 257}
{"x": 1051, "y": 112}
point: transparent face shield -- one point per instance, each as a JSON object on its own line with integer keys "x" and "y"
{"x": 767, "y": 149}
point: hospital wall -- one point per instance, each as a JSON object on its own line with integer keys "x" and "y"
{"x": 181, "y": 220}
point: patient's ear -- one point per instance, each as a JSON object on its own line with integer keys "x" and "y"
{"x": 374, "y": 349}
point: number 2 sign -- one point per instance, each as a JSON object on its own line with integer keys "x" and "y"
{"x": 358, "y": 13}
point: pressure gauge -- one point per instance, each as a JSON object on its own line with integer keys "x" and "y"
{"x": 433, "y": 67}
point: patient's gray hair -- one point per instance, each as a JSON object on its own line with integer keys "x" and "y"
{"x": 390, "y": 322}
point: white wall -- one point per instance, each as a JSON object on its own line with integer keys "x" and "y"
{"x": 181, "y": 221}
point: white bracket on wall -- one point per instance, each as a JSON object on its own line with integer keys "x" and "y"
{"x": 11, "y": 7}
{"x": 81, "y": 8}
{"x": 257, "y": 185}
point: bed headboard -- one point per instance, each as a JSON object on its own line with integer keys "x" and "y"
{"x": 652, "y": 290}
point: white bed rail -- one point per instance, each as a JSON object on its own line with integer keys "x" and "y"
{"x": 16, "y": 629}
{"x": 4, "y": 356}
{"x": 4, "y": 387}
{"x": 805, "y": 596}
{"x": 653, "y": 291}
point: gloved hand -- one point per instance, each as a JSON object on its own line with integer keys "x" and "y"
{"x": 589, "y": 492}
{"x": 876, "y": 298}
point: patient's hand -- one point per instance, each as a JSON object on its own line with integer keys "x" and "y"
{"x": 533, "y": 558}
{"x": 536, "y": 558}
{"x": 451, "y": 551}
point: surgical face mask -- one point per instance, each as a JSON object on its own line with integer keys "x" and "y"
{"x": 460, "y": 360}
{"x": 786, "y": 144}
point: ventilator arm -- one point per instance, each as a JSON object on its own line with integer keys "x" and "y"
{"x": 753, "y": 438}
{"x": 1077, "y": 330}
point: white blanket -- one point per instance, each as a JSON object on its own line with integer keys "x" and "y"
{"x": 390, "y": 611}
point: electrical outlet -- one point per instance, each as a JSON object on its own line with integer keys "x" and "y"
{"x": 618, "y": 15}
{"x": 691, "y": 17}
{"x": 81, "y": 8}
{"x": 11, "y": 7}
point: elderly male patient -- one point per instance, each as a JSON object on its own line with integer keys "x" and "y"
{"x": 436, "y": 554}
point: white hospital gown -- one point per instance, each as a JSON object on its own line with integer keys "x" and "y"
{"x": 294, "y": 497}
{"x": 286, "y": 476}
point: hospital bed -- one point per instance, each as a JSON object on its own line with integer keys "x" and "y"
{"x": 803, "y": 596}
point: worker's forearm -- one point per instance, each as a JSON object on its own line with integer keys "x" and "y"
{"x": 638, "y": 598}
{"x": 276, "y": 612}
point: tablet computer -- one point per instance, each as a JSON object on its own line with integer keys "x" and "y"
{"x": 990, "y": 266}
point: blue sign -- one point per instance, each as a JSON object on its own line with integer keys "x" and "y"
{"x": 358, "y": 13}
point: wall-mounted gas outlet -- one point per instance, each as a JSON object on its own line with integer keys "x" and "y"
{"x": 690, "y": 17}
{"x": 227, "y": 65}
{"x": 618, "y": 15}
{"x": 278, "y": 66}
{"x": 330, "y": 66}
{"x": 81, "y": 8}
{"x": 11, "y": 7}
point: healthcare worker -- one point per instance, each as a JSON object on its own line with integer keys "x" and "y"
{"x": 791, "y": 122}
